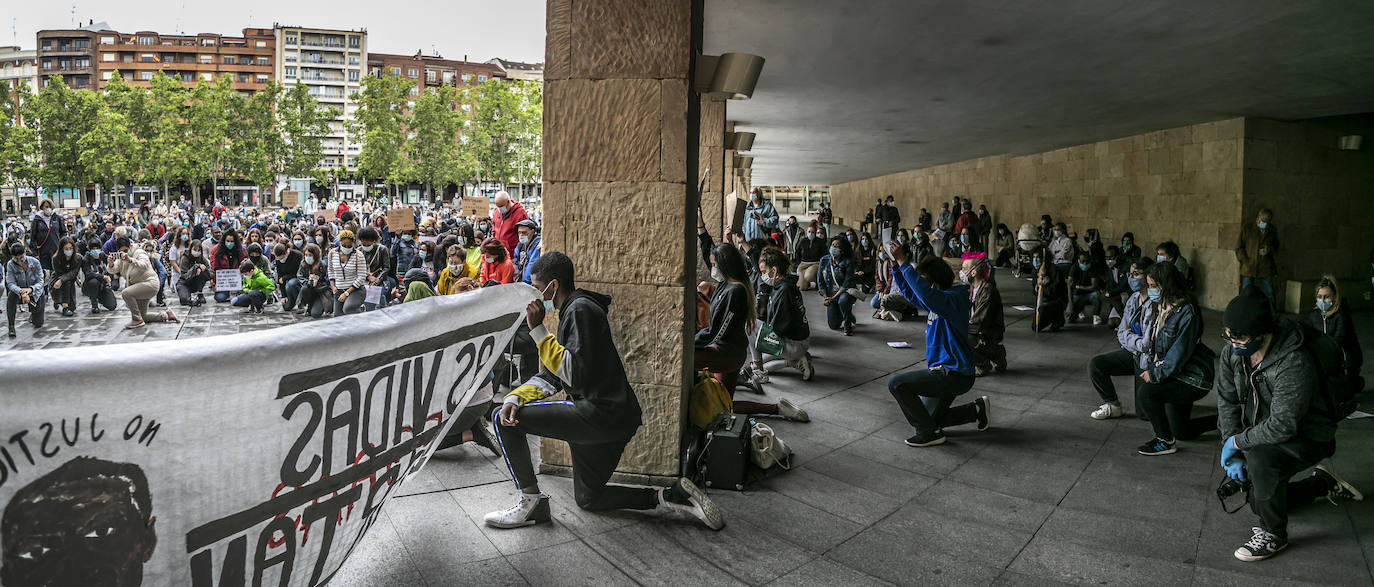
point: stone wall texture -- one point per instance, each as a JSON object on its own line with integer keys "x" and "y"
{"x": 615, "y": 178}
{"x": 1181, "y": 184}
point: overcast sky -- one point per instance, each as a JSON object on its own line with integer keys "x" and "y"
{"x": 480, "y": 29}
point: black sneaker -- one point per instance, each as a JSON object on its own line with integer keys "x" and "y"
{"x": 484, "y": 437}
{"x": 13, "y": 334}
{"x": 1339, "y": 488}
{"x": 68, "y": 312}
{"x": 849, "y": 330}
{"x": 926, "y": 439}
{"x": 1261, "y": 545}
{"x": 95, "y": 309}
{"x": 983, "y": 404}
{"x": 1157, "y": 446}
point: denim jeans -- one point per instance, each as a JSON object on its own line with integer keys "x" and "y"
{"x": 291, "y": 291}
{"x": 1265, "y": 284}
{"x": 388, "y": 283}
{"x": 840, "y": 311}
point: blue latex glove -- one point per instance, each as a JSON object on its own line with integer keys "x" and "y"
{"x": 1228, "y": 451}
{"x": 1236, "y": 469}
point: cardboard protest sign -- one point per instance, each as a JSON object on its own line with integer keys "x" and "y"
{"x": 228, "y": 280}
{"x": 181, "y": 468}
{"x": 290, "y": 198}
{"x": 476, "y": 206}
{"x": 327, "y": 213}
{"x": 400, "y": 219}
{"x": 734, "y": 210}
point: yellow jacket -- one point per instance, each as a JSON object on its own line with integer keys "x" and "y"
{"x": 447, "y": 280}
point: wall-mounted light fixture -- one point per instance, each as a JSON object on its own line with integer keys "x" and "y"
{"x": 1350, "y": 142}
{"x": 743, "y": 141}
{"x": 731, "y": 76}
{"x": 743, "y": 161}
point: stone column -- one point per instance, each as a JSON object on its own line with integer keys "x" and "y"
{"x": 712, "y": 151}
{"x": 620, "y": 162}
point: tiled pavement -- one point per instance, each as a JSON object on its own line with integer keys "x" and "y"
{"x": 1047, "y": 496}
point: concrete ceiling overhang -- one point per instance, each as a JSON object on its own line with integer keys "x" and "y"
{"x": 857, "y": 88}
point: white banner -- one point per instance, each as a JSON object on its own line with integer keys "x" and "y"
{"x": 228, "y": 280}
{"x": 255, "y": 458}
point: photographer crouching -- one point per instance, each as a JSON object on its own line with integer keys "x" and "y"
{"x": 1276, "y": 414}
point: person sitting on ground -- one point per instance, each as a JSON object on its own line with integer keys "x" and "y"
{"x": 288, "y": 268}
{"x": 1085, "y": 285}
{"x": 314, "y": 277}
{"x": 24, "y": 285}
{"x": 1273, "y": 421}
{"x": 1004, "y": 247}
{"x": 1133, "y": 336}
{"x": 1115, "y": 285}
{"x": 1129, "y": 250}
{"x": 457, "y": 269}
{"x": 1052, "y": 294}
{"x": 1332, "y": 318}
{"x": 866, "y": 268}
{"x": 1167, "y": 252}
{"x": 810, "y": 250}
{"x": 599, "y": 418}
{"x": 347, "y": 276}
{"x": 66, "y": 272}
{"x": 150, "y": 248}
{"x": 133, "y": 265}
{"x": 949, "y": 368}
{"x": 496, "y": 265}
{"x": 1097, "y": 254}
{"x": 888, "y": 303}
{"x": 1062, "y": 248}
{"x": 1177, "y": 369}
{"x": 95, "y": 280}
{"x": 256, "y": 287}
{"x": 838, "y": 286}
{"x": 986, "y": 325}
{"x": 920, "y": 245}
{"x": 378, "y": 259}
{"x": 785, "y": 314}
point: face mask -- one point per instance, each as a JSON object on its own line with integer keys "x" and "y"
{"x": 298, "y": 243}
{"x": 849, "y": 238}
{"x": 882, "y": 256}
{"x": 195, "y": 253}
{"x": 310, "y": 239}
{"x": 866, "y": 243}
{"x": 1154, "y": 294}
{"x": 462, "y": 240}
{"x": 47, "y": 211}
{"x": 1035, "y": 263}
{"x": 548, "y": 304}
{"x": 901, "y": 240}
{"x": 963, "y": 238}
{"x": 810, "y": 234}
{"x": 1111, "y": 262}
{"x": 716, "y": 275}
{"x": 1125, "y": 244}
{"x": 767, "y": 279}
{"x": 93, "y": 254}
{"x": 345, "y": 250}
{"x": 1083, "y": 266}
{"x": 455, "y": 269}
{"x": 309, "y": 259}
{"x": 524, "y": 240}
{"x": 835, "y": 252}
{"x": 422, "y": 255}
{"x": 68, "y": 253}
{"x": 1134, "y": 282}
{"x": 489, "y": 260}
{"x": 368, "y": 248}
{"x": 963, "y": 276}
{"x": 1262, "y": 225}
{"x": 407, "y": 238}
{"x": 1244, "y": 351}
{"x": 230, "y": 244}
{"x": 1058, "y": 234}
{"x": 185, "y": 237}
{"x": 1325, "y": 305}
{"x": 1160, "y": 258}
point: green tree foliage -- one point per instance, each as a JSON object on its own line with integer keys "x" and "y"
{"x": 504, "y": 130}
{"x": 212, "y": 105}
{"x": 61, "y": 116}
{"x": 379, "y": 124}
{"x": 18, "y": 143}
{"x": 434, "y": 125}
{"x": 303, "y": 124}
{"x": 167, "y": 154}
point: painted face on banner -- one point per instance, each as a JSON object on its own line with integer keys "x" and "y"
{"x": 87, "y": 522}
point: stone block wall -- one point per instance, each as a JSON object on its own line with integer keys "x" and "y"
{"x": 1182, "y": 184}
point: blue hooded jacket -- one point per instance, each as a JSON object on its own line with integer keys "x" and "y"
{"x": 947, "y": 324}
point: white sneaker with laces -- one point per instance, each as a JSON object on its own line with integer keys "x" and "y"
{"x": 1097, "y": 320}
{"x": 698, "y": 505}
{"x": 530, "y": 510}
{"x": 1261, "y": 545}
{"x": 1108, "y": 411}
{"x": 789, "y": 410}
{"x": 804, "y": 365}
{"x": 760, "y": 374}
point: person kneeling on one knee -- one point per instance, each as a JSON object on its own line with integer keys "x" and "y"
{"x": 1275, "y": 419}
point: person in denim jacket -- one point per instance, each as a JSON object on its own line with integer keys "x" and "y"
{"x": 1176, "y": 369}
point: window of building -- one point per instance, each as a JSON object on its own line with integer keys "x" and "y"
{"x": 290, "y": 72}
{"x": 352, "y": 59}
{"x": 467, "y": 77}
{"x": 260, "y": 43}
{"x": 353, "y": 75}
{"x": 230, "y": 60}
{"x": 413, "y": 73}
{"x": 431, "y": 75}
{"x": 414, "y": 91}
{"x": 47, "y": 64}
{"x": 82, "y": 43}
{"x": 263, "y": 61}
{"x": 291, "y": 39}
{"x": 145, "y": 75}
{"x": 261, "y": 78}
{"x": 354, "y": 41}
{"x": 83, "y": 62}
{"x": 108, "y": 56}
{"x": 481, "y": 78}
{"x": 47, "y": 45}
{"x": 107, "y": 40}
{"x": 207, "y": 76}
{"x": 106, "y": 75}
{"x": 145, "y": 57}
{"x": 243, "y": 77}
{"x": 448, "y": 78}
{"x": 395, "y": 71}
{"x": 207, "y": 58}
{"x": 207, "y": 42}
{"x": 375, "y": 72}
{"x": 146, "y": 40}
{"x": 187, "y": 77}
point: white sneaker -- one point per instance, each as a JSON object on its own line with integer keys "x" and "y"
{"x": 789, "y": 410}
{"x": 804, "y": 365}
{"x": 760, "y": 374}
{"x": 1097, "y": 320}
{"x": 895, "y": 316}
{"x": 530, "y": 510}
{"x": 698, "y": 505}
{"x": 1108, "y": 411}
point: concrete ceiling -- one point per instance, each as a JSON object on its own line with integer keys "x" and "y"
{"x": 860, "y": 88}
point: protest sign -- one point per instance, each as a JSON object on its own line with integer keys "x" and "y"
{"x": 400, "y": 219}
{"x": 429, "y": 239}
{"x": 228, "y": 280}
{"x": 266, "y": 469}
{"x": 327, "y": 213}
{"x": 473, "y": 206}
{"x": 290, "y": 198}
{"x": 372, "y": 294}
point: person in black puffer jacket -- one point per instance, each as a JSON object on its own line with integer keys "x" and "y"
{"x": 1332, "y": 318}
{"x": 786, "y": 315}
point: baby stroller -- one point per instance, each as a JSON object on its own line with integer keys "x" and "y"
{"x": 1027, "y": 240}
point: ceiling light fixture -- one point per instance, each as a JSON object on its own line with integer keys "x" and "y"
{"x": 731, "y": 76}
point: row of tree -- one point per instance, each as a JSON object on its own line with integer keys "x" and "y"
{"x": 171, "y": 133}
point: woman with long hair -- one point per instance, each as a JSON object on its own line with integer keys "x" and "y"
{"x": 1178, "y": 369}
{"x": 838, "y": 285}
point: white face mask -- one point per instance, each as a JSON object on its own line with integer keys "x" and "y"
{"x": 963, "y": 276}
{"x": 768, "y": 279}
{"x": 716, "y": 275}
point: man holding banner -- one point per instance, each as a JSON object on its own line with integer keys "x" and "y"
{"x": 599, "y": 420}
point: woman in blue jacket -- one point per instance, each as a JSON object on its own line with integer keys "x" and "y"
{"x": 838, "y": 286}
{"x": 926, "y": 395}
{"x": 1176, "y": 369}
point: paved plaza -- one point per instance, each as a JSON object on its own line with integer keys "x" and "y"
{"x": 1046, "y": 496}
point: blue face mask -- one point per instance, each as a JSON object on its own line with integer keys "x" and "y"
{"x": 901, "y": 240}
{"x": 230, "y": 244}
{"x": 407, "y": 238}
{"x": 849, "y": 238}
{"x": 421, "y": 253}
{"x": 1083, "y": 266}
{"x": 963, "y": 238}
{"x": 1154, "y": 294}
{"x": 68, "y": 253}
{"x": 1161, "y": 259}
{"x": 1244, "y": 351}
{"x": 835, "y": 252}
{"x": 1035, "y": 262}
{"x": 1135, "y": 283}
{"x": 548, "y": 304}
{"x": 1262, "y": 225}
{"x": 345, "y": 250}
{"x": 1325, "y": 305}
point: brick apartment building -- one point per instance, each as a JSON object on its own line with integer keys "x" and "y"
{"x": 88, "y": 57}
{"x": 432, "y": 70}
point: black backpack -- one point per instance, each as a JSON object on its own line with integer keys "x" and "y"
{"x": 1336, "y": 391}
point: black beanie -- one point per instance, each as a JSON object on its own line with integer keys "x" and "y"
{"x": 1249, "y": 314}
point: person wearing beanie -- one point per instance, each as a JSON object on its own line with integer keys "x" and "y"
{"x": 1265, "y": 390}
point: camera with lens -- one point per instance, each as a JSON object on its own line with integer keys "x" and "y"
{"x": 1229, "y": 488}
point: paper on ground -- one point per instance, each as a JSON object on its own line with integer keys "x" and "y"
{"x": 900, "y": 344}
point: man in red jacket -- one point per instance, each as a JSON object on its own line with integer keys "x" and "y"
{"x": 342, "y": 207}
{"x": 508, "y": 214}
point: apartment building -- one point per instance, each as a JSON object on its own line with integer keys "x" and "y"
{"x": 247, "y": 60}
{"x": 18, "y": 66}
{"x": 69, "y": 53}
{"x": 330, "y": 63}
{"x": 519, "y": 69}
